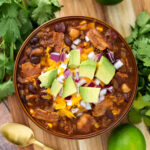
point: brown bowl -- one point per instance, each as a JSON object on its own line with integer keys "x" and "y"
{"x": 135, "y": 78}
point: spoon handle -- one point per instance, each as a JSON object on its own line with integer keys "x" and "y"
{"x": 41, "y": 145}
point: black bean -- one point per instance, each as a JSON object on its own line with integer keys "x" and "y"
{"x": 109, "y": 114}
{"x": 38, "y": 82}
{"x": 23, "y": 99}
{"x": 35, "y": 59}
{"x": 61, "y": 27}
{"x": 126, "y": 97}
{"x": 34, "y": 40}
{"x": 31, "y": 88}
{"x": 68, "y": 41}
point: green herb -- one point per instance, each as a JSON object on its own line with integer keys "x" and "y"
{"x": 17, "y": 20}
{"x": 139, "y": 41}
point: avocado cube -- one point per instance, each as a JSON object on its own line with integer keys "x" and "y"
{"x": 47, "y": 78}
{"x": 69, "y": 87}
{"x": 89, "y": 94}
{"x": 74, "y": 59}
{"x": 87, "y": 69}
{"x": 56, "y": 87}
{"x": 105, "y": 71}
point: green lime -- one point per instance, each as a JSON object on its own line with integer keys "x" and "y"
{"x": 109, "y": 2}
{"x": 126, "y": 137}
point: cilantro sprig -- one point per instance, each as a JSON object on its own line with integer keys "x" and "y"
{"x": 139, "y": 41}
{"x": 17, "y": 20}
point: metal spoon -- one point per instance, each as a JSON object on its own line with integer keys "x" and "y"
{"x": 20, "y": 135}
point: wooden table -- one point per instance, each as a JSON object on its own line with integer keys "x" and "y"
{"x": 120, "y": 16}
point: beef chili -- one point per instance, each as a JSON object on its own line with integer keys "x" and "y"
{"x": 75, "y": 77}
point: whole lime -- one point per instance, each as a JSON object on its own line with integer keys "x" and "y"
{"x": 109, "y": 2}
{"x": 126, "y": 137}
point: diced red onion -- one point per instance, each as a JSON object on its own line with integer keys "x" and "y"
{"x": 87, "y": 106}
{"x": 103, "y": 92}
{"x": 101, "y": 98}
{"x": 91, "y": 84}
{"x": 81, "y": 50}
{"x": 81, "y": 82}
{"x": 55, "y": 56}
{"x": 87, "y": 38}
{"x": 111, "y": 56}
{"x": 118, "y": 64}
{"x": 77, "y": 41}
{"x": 109, "y": 88}
{"x": 69, "y": 102}
{"x": 63, "y": 65}
{"x": 73, "y": 46}
{"x": 91, "y": 55}
{"x": 62, "y": 57}
{"x": 98, "y": 57}
{"x": 79, "y": 114}
{"x": 76, "y": 77}
{"x": 67, "y": 73}
{"x": 61, "y": 78}
{"x": 68, "y": 55}
{"x": 68, "y": 98}
{"x": 74, "y": 110}
{"x": 97, "y": 81}
{"x": 61, "y": 92}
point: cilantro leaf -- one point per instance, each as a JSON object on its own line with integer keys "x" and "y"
{"x": 139, "y": 103}
{"x": 142, "y": 19}
{"x": 146, "y": 120}
{"x": 134, "y": 116}
{"x": 4, "y": 1}
{"x": 7, "y": 89}
{"x": 45, "y": 10}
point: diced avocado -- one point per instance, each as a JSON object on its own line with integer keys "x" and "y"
{"x": 56, "y": 87}
{"x": 74, "y": 59}
{"x": 89, "y": 94}
{"x": 47, "y": 78}
{"x": 105, "y": 71}
{"x": 69, "y": 87}
{"x": 87, "y": 69}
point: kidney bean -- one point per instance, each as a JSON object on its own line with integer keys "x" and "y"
{"x": 34, "y": 40}
{"x": 35, "y": 59}
{"x": 109, "y": 114}
{"x": 61, "y": 27}
{"x": 31, "y": 88}
{"x": 68, "y": 41}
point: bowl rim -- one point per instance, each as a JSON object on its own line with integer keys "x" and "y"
{"x": 95, "y": 133}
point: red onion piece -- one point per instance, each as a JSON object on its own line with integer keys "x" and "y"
{"x": 81, "y": 50}
{"x": 99, "y": 57}
{"x": 111, "y": 57}
{"x": 109, "y": 88}
{"x": 91, "y": 84}
{"x": 62, "y": 57}
{"x": 67, "y": 73}
{"x": 68, "y": 98}
{"x": 55, "y": 56}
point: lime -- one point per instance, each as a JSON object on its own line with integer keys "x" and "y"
{"x": 126, "y": 137}
{"x": 109, "y": 2}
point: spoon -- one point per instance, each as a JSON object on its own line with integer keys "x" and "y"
{"x": 20, "y": 135}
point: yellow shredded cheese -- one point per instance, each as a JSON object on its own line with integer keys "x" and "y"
{"x": 91, "y": 25}
{"x": 50, "y": 125}
{"x": 60, "y": 103}
{"x": 100, "y": 29}
{"x": 88, "y": 50}
{"x": 84, "y": 56}
{"x": 31, "y": 111}
{"x": 83, "y": 22}
{"x": 67, "y": 113}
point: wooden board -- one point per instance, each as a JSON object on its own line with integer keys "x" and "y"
{"x": 120, "y": 16}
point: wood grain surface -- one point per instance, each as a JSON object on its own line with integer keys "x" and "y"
{"x": 120, "y": 16}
